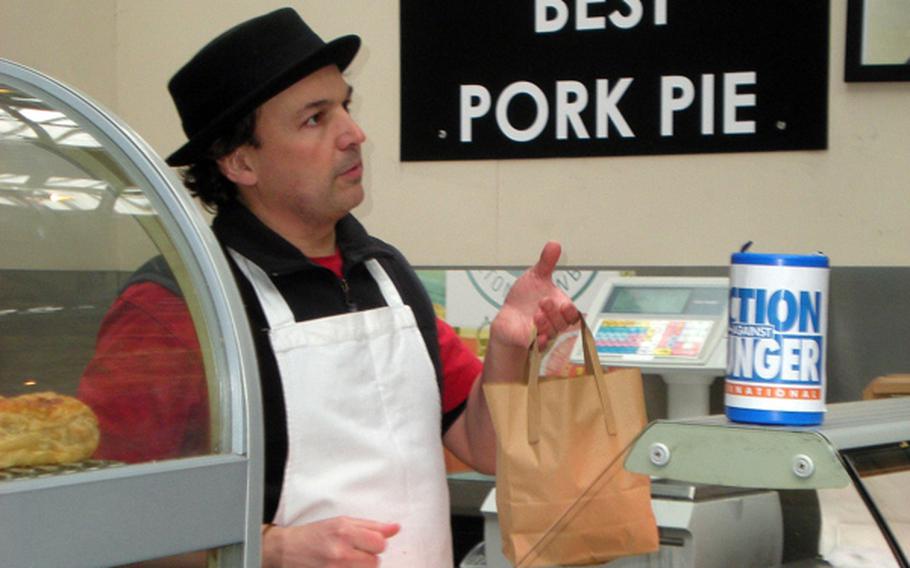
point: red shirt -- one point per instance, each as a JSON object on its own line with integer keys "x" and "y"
{"x": 146, "y": 381}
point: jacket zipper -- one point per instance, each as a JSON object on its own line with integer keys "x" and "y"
{"x": 352, "y": 306}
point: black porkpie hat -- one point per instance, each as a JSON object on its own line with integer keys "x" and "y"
{"x": 244, "y": 67}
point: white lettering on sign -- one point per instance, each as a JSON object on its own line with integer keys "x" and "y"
{"x": 567, "y": 104}
{"x": 585, "y": 22}
{"x": 733, "y": 100}
{"x": 571, "y": 99}
{"x": 543, "y": 23}
{"x": 502, "y": 111}
{"x": 475, "y": 102}
{"x": 678, "y": 92}
{"x": 707, "y": 104}
{"x": 552, "y": 15}
{"x": 630, "y": 20}
{"x": 607, "y": 112}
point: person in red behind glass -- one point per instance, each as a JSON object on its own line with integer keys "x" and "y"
{"x": 362, "y": 384}
{"x": 146, "y": 381}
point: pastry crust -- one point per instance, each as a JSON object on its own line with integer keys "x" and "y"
{"x": 45, "y": 428}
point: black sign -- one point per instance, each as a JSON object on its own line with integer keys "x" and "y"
{"x": 560, "y": 78}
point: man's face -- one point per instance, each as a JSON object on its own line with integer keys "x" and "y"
{"x": 307, "y": 167}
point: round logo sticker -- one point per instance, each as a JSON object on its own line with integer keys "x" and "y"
{"x": 494, "y": 285}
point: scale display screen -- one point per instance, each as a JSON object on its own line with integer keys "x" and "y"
{"x": 666, "y": 300}
{"x": 659, "y": 321}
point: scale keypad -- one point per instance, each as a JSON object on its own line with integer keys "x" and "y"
{"x": 652, "y": 337}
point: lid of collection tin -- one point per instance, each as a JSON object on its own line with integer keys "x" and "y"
{"x": 816, "y": 260}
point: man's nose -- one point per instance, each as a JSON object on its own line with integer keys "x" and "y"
{"x": 351, "y": 133}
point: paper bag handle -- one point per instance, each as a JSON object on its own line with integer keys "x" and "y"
{"x": 592, "y": 367}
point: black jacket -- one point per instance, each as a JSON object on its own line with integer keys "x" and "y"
{"x": 312, "y": 292}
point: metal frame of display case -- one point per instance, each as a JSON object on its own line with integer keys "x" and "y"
{"x": 714, "y": 451}
{"x": 118, "y": 515}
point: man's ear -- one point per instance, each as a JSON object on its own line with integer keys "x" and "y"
{"x": 236, "y": 167}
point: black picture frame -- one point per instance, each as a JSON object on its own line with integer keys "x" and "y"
{"x": 855, "y": 70}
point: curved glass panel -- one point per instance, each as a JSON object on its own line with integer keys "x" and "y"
{"x": 100, "y": 323}
{"x": 714, "y": 526}
{"x": 884, "y": 473}
{"x": 122, "y": 341}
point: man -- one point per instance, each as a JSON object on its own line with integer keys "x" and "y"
{"x": 361, "y": 384}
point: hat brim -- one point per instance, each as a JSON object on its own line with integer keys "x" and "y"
{"x": 340, "y": 52}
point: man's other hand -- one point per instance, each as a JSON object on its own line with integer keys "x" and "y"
{"x": 337, "y": 542}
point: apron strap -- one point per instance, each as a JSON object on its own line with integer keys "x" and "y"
{"x": 277, "y": 311}
{"x": 388, "y": 289}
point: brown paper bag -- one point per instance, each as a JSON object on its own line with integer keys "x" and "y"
{"x": 562, "y": 495}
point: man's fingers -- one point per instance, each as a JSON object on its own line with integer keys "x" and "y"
{"x": 366, "y": 540}
{"x": 549, "y": 256}
{"x": 370, "y": 536}
{"x": 559, "y": 314}
{"x": 570, "y": 313}
{"x": 386, "y": 529}
{"x": 552, "y": 318}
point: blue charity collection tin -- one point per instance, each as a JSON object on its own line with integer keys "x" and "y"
{"x": 776, "y": 344}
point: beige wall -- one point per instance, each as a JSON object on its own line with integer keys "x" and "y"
{"x": 73, "y": 41}
{"x": 850, "y": 201}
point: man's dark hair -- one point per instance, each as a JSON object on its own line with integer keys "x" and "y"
{"x": 205, "y": 180}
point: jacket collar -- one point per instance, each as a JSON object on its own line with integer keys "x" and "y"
{"x": 237, "y": 228}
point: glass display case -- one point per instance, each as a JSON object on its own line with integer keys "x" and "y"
{"x": 729, "y": 494}
{"x": 129, "y": 396}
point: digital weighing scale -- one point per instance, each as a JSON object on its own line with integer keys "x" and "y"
{"x": 675, "y": 327}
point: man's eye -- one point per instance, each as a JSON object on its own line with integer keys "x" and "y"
{"x": 313, "y": 120}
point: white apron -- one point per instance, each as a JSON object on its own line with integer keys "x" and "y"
{"x": 363, "y": 421}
